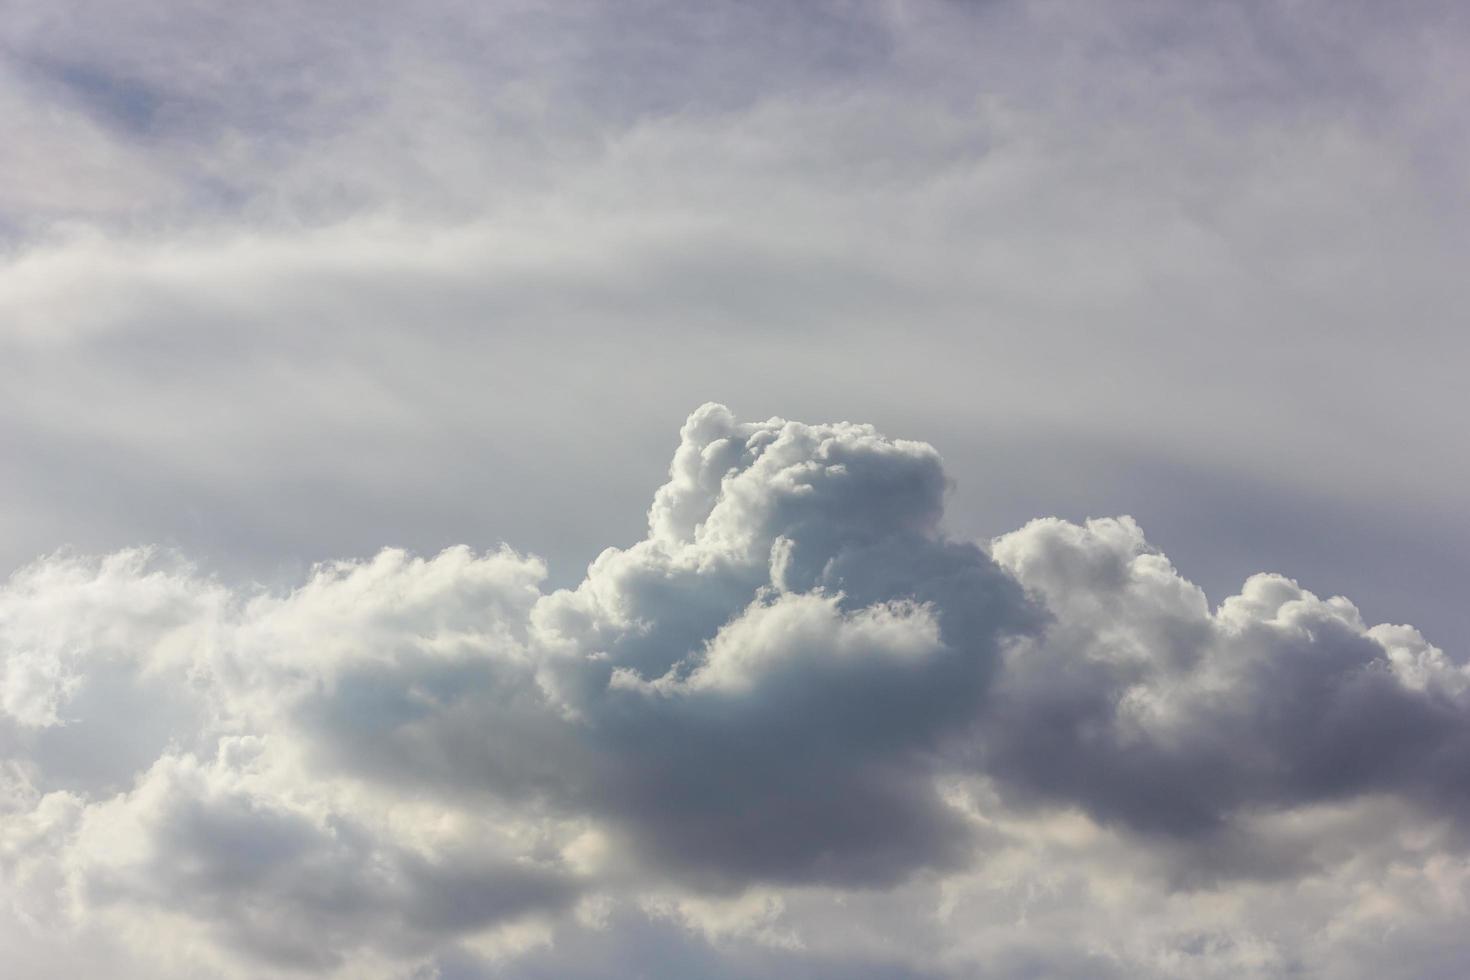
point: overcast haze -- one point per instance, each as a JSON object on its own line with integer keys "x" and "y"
{"x": 1119, "y": 342}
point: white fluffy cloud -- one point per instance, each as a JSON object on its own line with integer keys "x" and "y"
{"x": 794, "y": 729}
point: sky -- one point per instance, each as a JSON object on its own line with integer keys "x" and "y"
{"x": 734, "y": 489}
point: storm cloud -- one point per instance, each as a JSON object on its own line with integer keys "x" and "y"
{"x": 795, "y": 691}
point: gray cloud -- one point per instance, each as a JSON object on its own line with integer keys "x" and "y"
{"x": 795, "y": 690}
{"x": 298, "y": 327}
{"x": 280, "y": 283}
{"x": 1145, "y": 706}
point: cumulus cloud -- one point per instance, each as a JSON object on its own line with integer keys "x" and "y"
{"x": 796, "y": 727}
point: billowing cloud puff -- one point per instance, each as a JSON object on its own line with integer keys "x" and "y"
{"x": 1143, "y": 706}
{"x": 795, "y": 729}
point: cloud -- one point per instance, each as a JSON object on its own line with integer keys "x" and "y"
{"x": 283, "y": 282}
{"x": 285, "y": 883}
{"x": 795, "y": 724}
{"x": 348, "y": 245}
{"x": 1141, "y": 704}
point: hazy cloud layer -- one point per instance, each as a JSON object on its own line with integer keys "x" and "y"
{"x": 283, "y": 281}
{"x": 796, "y": 728}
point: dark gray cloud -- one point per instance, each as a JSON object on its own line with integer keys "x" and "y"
{"x": 1144, "y": 706}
